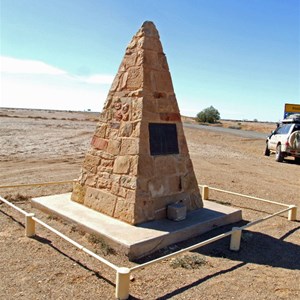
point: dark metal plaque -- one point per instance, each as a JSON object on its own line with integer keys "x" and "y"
{"x": 163, "y": 139}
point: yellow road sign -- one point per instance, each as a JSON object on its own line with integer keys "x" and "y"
{"x": 292, "y": 108}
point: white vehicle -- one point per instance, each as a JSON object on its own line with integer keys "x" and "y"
{"x": 285, "y": 140}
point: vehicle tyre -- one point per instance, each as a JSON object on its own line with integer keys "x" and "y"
{"x": 279, "y": 156}
{"x": 294, "y": 139}
{"x": 267, "y": 151}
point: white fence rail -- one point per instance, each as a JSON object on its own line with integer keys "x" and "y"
{"x": 123, "y": 273}
{"x": 35, "y": 184}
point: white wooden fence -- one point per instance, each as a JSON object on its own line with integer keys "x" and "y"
{"x": 123, "y": 273}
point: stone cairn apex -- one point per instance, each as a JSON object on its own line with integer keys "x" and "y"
{"x": 138, "y": 162}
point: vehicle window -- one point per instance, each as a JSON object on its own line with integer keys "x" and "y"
{"x": 297, "y": 127}
{"x": 283, "y": 129}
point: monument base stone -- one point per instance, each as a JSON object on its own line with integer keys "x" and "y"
{"x": 137, "y": 241}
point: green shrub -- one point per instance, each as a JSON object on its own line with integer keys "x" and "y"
{"x": 208, "y": 115}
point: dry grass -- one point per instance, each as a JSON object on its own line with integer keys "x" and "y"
{"x": 188, "y": 261}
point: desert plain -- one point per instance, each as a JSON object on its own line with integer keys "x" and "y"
{"x": 49, "y": 146}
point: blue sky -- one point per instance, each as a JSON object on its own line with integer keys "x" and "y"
{"x": 241, "y": 56}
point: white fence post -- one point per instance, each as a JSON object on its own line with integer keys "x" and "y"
{"x": 205, "y": 192}
{"x": 235, "y": 241}
{"x": 122, "y": 283}
{"x": 292, "y": 214}
{"x": 29, "y": 225}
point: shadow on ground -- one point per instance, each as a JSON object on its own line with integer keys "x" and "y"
{"x": 49, "y": 243}
{"x": 259, "y": 248}
{"x": 256, "y": 248}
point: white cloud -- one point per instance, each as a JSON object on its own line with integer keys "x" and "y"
{"x": 10, "y": 65}
{"x": 98, "y": 79}
{"x": 35, "y": 84}
{"x": 24, "y": 66}
{"x": 51, "y": 92}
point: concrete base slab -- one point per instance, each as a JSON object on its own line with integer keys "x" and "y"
{"x": 141, "y": 240}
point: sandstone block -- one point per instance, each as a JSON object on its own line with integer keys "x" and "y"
{"x": 150, "y": 105}
{"x": 101, "y": 130}
{"x": 140, "y": 57}
{"x": 129, "y": 146}
{"x": 165, "y": 165}
{"x": 133, "y": 43}
{"x": 78, "y": 193}
{"x": 174, "y": 185}
{"x": 151, "y": 44}
{"x": 122, "y": 192}
{"x": 128, "y": 182}
{"x": 137, "y": 109}
{"x": 122, "y": 165}
{"x": 134, "y": 165}
{"x": 112, "y": 134}
{"x": 144, "y": 211}
{"x": 163, "y": 61}
{"x": 105, "y": 116}
{"x": 105, "y": 155}
{"x": 82, "y": 177}
{"x": 157, "y": 187}
{"x": 124, "y": 211}
{"x": 100, "y": 200}
{"x": 163, "y": 81}
{"x": 151, "y": 117}
{"x": 114, "y": 146}
{"x": 135, "y": 78}
{"x": 142, "y": 185}
{"x": 99, "y": 143}
{"x": 107, "y": 163}
{"x": 126, "y": 129}
{"x": 102, "y": 169}
{"x": 130, "y": 196}
{"x": 149, "y": 81}
{"x": 91, "y": 163}
{"x": 183, "y": 148}
{"x": 114, "y": 188}
{"x": 130, "y": 60}
{"x": 91, "y": 180}
{"x": 104, "y": 183}
{"x": 115, "y": 178}
{"x": 123, "y": 78}
{"x": 181, "y": 165}
{"x": 114, "y": 125}
{"x": 136, "y": 93}
{"x": 146, "y": 166}
{"x": 151, "y": 59}
{"x": 136, "y": 129}
{"x": 170, "y": 117}
{"x": 167, "y": 106}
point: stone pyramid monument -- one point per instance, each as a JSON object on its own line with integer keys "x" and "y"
{"x": 138, "y": 162}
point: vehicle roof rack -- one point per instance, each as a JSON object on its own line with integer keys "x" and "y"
{"x": 291, "y": 120}
{"x": 294, "y": 118}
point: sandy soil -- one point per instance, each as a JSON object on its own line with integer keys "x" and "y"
{"x": 41, "y": 146}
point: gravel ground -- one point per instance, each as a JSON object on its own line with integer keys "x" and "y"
{"x": 41, "y": 146}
